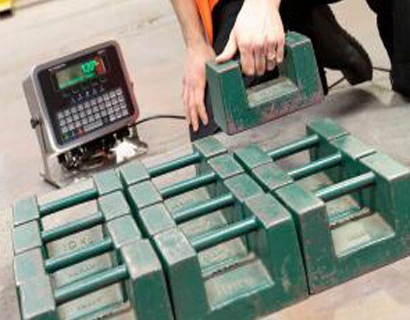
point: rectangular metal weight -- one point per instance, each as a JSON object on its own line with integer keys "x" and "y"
{"x": 236, "y": 108}
{"x": 136, "y": 265}
{"x": 358, "y": 222}
{"x": 138, "y": 269}
{"x": 268, "y": 278}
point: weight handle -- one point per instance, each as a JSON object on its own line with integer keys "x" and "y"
{"x": 174, "y": 165}
{"x": 67, "y": 202}
{"x": 316, "y": 166}
{"x": 90, "y": 284}
{"x": 204, "y": 208}
{"x": 345, "y": 187}
{"x": 188, "y": 185}
{"x": 294, "y": 147}
{"x": 72, "y": 228}
{"x": 55, "y": 264}
{"x": 213, "y": 238}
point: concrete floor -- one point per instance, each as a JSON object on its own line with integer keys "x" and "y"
{"x": 151, "y": 41}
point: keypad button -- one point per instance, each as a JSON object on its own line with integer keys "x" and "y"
{"x": 121, "y": 99}
{"x": 97, "y": 116}
{"x": 80, "y": 107}
{"x": 71, "y": 127}
{"x": 76, "y": 117}
{"x": 91, "y": 118}
{"x": 106, "y": 97}
{"x": 84, "y": 121}
{"x": 60, "y": 115}
{"x": 104, "y": 113}
{"x": 118, "y": 92}
{"x": 96, "y": 109}
{"x": 124, "y": 113}
{"x": 93, "y": 102}
{"x": 92, "y": 126}
{"x": 67, "y": 112}
{"x": 87, "y": 104}
{"x": 89, "y": 112}
{"x": 112, "y": 94}
{"x": 64, "y": 129}
{"x": 69, "y": 119}
{"x": 82, "y": 114}
{"x": 62, "y": 122}
{"x": 114, "y": 101}
{"x": 74, "y": 110}
{"x": 100, "y": 100}
{"x": 77, "y": 124}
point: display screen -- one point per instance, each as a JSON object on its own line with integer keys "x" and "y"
{"x": 80, "y": 72}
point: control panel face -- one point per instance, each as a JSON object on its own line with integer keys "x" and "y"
{"x": 85, "y": 94}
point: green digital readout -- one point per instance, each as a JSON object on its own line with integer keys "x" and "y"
{"x": 80, "y": 72}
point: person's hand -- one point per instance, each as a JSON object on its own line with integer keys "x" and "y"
{"x": 194, "y": 81}
{"x": 259, "y": 36}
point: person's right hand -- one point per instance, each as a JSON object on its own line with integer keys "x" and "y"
{"x": 194, "y": 81}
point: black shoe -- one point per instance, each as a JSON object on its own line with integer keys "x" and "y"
{"x": 400, "y": 79}
{"x": 339, "y": 50}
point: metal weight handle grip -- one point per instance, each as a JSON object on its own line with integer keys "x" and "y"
{"x": 236, "y": 109}
{"x": 235, "y": 230}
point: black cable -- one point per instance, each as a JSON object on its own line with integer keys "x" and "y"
{"x": 337, "y": 82}
{"x": 157, "y": 117}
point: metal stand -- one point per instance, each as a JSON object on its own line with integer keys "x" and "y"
{"x": 58, "y": 176}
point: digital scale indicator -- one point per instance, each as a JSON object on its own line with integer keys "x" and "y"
{"x": 80, "y": 73}
{"x": 81, "y": 97}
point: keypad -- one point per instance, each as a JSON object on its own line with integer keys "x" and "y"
{"x": 91, "y": 114}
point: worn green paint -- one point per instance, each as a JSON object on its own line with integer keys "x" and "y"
{"x": 139, "y": 269}
{"x": 325, "y": 128}
{"x": 136, "y": 172}
{"x": 359, "y": 239}
{"x": 251, "y": 157}
{"x": 121, "y": 231}
{"x": 155, "y": 219}
{"x": 234, "y": 192}
{"x": 141, "y": 272}
{"x": 209, "y": 147}
{"x": 142, "y": 195}
{"x": 26, "y": 237}
{"x": 37, "y": 300}
{"x": 369, "y": 237}
{"x": 133, "y": 172}
{"x": 236, "y": 109}
{"x": 273, "y": 279}
{"x": 28, "y": 209}
{"x": 351, "y": 234}
{"x": 30, "y": 235}
{"x": 146, "y": 288}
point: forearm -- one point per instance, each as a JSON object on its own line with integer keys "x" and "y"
{"x": 190, "y": 22}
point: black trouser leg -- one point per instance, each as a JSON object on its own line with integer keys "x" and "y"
{"x": 393, "y": 20}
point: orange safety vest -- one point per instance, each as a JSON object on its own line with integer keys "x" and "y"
{"x": 205, "y": 8}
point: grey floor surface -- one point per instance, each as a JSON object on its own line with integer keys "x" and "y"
{"x": 151, "y": 41}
